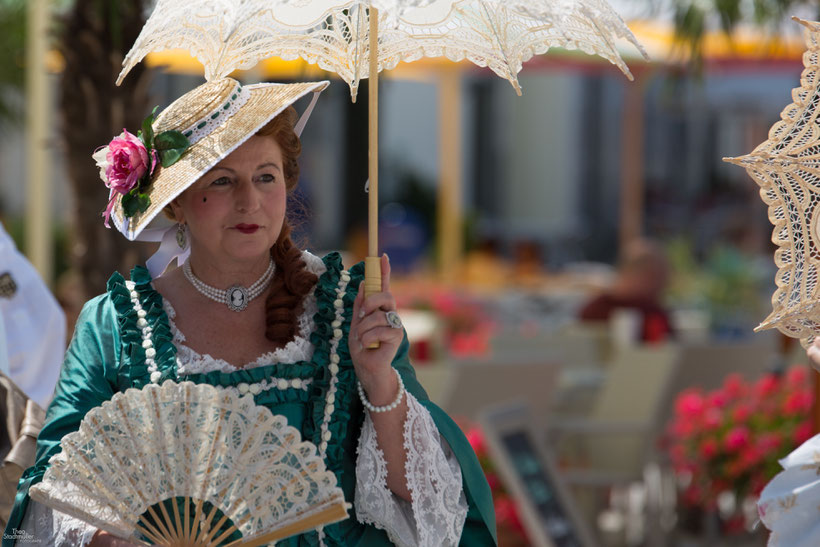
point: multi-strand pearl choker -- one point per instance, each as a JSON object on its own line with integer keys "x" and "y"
{"x": 236, "y": 297}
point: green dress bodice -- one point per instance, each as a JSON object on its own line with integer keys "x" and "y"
{"x": 107, "y": 355}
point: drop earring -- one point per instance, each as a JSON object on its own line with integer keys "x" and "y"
{"x": 182, "y": 235}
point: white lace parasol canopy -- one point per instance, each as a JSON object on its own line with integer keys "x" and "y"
{"x": 226, "y": 35}
{"x": 787, "y": 168}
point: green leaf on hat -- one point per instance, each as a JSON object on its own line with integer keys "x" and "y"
{"x": 130, "y": 204}
{"x": 147, "y": 133}
{"x": 170, "y": 145}
{"x": 143, "y": 202}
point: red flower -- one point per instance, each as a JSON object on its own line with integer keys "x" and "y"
{"x": 797, "y": 376}
{"x": 712, "y": 419}
{"x": 708, "y": 448}
{"x": 803, "y": 432}
{"x": 476, "y": 439}
{"x": 769, "y": 441}
{"x": 737, "y": 438}
{"x": 766, "y": 385}
{"x": 798, "y": 402}
{"x": 741, "y": 413}
{"x": 734, "y": 386}
{"x": 690, "y": 403}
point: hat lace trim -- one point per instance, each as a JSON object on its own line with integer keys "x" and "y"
{"x": 216, "y": 117}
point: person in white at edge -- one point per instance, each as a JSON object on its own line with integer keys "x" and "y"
{"x": 35, "y": 326}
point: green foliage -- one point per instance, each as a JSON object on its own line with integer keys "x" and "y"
{"x": 692, "y": 18}
{"x": 170, "y": 145}
{"x": 729, "y": 284}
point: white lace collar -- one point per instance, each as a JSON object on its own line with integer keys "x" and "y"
{"x": 298, "y": 349}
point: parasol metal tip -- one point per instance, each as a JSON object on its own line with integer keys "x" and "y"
{"x": 808, "y": 24}
{"x": 516, "y": 85}
{"x": 737, "y": 161}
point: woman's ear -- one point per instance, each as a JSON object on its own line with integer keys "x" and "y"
{"x": 179, "y": 216}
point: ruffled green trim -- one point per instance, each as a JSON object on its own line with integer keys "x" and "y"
{"x": 348, "y": 413}
{"x": 133, "y": 368}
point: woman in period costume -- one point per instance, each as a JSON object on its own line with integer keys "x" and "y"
{"x": 250, "y": 312}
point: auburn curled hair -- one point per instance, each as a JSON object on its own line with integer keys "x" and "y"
{"x": 292, "y": 280}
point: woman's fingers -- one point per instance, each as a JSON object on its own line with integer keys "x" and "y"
{"x": 385, "y": 263}
{"x": 376, "y": 319}
{"x": 380, "y": 301}
{"x": 379, "y": 334}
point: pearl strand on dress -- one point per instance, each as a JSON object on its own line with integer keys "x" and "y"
{"x": 146, "y": 331}
{"x": 221, "y": 295}
{"x": 330, "y": 399}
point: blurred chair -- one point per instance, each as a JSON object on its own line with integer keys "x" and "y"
{"x": 614, "y": 445}
{"x": 474, "y": 385}
{"x": 614, "y": 440}
{"x": 706, "y": 365}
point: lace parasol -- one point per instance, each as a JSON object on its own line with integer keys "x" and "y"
{"x": 787, "y": 168}
{"x": 359, "y": 38}
{"x": 225, "y": 35}
{"x": 193, "y": 465}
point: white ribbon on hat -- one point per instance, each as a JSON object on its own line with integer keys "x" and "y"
{"x": 169, "y": 249}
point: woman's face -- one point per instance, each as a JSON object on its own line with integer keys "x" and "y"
{"x": 235, "y": 211}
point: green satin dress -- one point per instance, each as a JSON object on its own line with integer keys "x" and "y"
{"x": 106, "y": 356}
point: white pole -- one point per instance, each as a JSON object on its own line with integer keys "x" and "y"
{"x": 38, "y": 222}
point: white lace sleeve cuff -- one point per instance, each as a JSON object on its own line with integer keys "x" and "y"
{"x": 438, "y": 508}
{"x": 50, "y": 527}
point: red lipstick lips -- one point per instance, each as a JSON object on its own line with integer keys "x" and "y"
{"x": 247, "y": 228}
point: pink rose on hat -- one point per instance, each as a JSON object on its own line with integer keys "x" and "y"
{"x": 122, "y": 164}
{"x": 125, "y": 162}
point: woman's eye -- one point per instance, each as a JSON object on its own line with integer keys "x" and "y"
{"x": 221, "y": 181}
{"x": 267, "y": 177}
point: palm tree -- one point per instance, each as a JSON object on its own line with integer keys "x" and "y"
{"x": 93, "y": 37}
{"x": 692, "y": 18}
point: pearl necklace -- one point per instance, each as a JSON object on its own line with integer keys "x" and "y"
{"x": 236, "y": 297}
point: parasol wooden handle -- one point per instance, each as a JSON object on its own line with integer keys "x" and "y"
{"x": 372, "y": 263}
{"x": 372, "y": 281}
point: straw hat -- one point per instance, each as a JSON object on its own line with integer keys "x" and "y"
{"x": 216, "y": 117}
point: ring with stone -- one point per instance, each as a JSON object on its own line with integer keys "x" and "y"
{"x": 393, "y": 319}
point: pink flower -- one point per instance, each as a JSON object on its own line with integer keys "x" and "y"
{"x": 769, "y": 442}
{"x": 803, "y": 432}
{"x": 733, "y": 384}
{"x": 742, "y": 412}
{"x": 766, "y": 385}
{"x": 708, "y": 448}
{"x": 122, "y": 164}
{"x": 797, "y": 402}
{"x": 797, "y": 376}
{"x": 476, "y": 439}
{"x": 717, "y": 399}
{"x": 737, "y": 438}
{"x": 127, "y": 162}
{"x": 712, "y": 419}
{"x": 690, "y": 403}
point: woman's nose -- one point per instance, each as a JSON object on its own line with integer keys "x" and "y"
{"x": 246, "y": 197}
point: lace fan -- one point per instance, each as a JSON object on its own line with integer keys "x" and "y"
{"x": 193, "y": 465}
{"x": 787, "y": 168}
